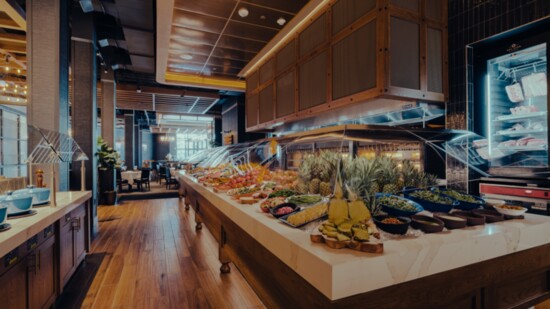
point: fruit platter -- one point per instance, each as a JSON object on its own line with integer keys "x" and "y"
{"x": 349, "y": 225}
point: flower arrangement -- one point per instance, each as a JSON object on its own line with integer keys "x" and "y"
{"x": 108, "y": 158}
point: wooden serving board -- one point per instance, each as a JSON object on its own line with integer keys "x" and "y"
{"x": 374, "y": 245}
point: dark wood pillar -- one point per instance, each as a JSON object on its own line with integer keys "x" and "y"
{"x": 108, "y": 107}
{"x": 129, "y": 140}
{"x": 84, "y": 104}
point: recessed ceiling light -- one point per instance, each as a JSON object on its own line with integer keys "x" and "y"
{"x": 243, "y": 12}
{"x": 262, "y": 17}
{"x": 281, "y": 21}
{"x": 186, "y": 57}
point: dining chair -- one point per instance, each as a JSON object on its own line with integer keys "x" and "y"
{"x": 171, "y": 180}
{"x": 162, "y": 173}
{"x": 122, "y": 182}
{"x": 144, "y": 180}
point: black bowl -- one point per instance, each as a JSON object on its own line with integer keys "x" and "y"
{"x": 393, "y": 228}
{"x": 451, "y": 221}
{"x": 273, "y": 210}
{"x": 490, "y": 215}
{"x": 471, "y": 218}
{"x": 420, "y": 222}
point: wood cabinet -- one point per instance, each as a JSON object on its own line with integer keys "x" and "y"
{"x": 14, "y": 285}
{"x": 72, "y": 243}
{"x": 42, "y": 290}
{"x": 353, "y": 51}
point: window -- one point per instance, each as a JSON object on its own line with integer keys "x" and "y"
{"x": 191, "y": 142}
{"x": 13, "y": 143}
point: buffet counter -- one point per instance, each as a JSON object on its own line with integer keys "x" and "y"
{"x": 25, "y": 227}
{"x": 482, "y": 258}
{"x": 40, "y": 252}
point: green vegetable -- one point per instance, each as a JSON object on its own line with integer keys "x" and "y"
{"x": 460, "y": 196}
{"x": 283, "y": 193}
{"x": 305, "y": 199}
{"x": 395, "y": 202}
{"x": 430, "y": 196}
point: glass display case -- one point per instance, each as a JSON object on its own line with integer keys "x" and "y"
{"x": 509, "y": 102}
{"x": 288, "y": 152}
{"x": 517, "y": 104}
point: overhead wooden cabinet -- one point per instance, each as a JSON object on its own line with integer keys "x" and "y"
{"x": 354, "y": 51}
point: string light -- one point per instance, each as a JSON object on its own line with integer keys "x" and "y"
{"x": 7, "y": 69}
{"x": 19, "y": 71}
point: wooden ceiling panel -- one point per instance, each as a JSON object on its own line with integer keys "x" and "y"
{"x": 224, "y": 62}
{"x": 240, "y": 44}
{"x": 199, "y": 22}
{"x": 180, "y": 34}
{"x": 210, "y": 69}
{"x": 219, "y": 8}
{"x": 232, "y": 54}
{"x": 209, "y": 38}
{"x": 262, "y": 16}
{"x": 185, "y": 48}
{"x": 186, "y": 65}
{"x": 249, "y": 31}
{"x": 289, "y": 6}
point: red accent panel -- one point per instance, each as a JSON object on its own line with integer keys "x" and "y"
{"x": 523, "y": 192}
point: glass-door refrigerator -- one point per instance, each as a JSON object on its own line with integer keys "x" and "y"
{"x": 511, "y": 106}
{"x": 508, "y": 100}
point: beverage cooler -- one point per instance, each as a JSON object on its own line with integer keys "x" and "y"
{"x": 508, "y": 105}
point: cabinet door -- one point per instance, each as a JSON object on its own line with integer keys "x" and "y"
{"x": 42, "y": 289}
{"x": 354, "y": 62}
{"x": 404, "y": 53}
{"x": 286, "y": 97}
{"x": 313, "y": 82}
{"x": 314, "y": 35}
{"x": 252, "y": 102}
{"x": 66, "y": 250}
{"x": 266, "y": 104}
{"x": 79, "y": 230}
{"x": 14, "y": 286}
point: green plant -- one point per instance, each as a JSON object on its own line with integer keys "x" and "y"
{"x": 107, "y": 157}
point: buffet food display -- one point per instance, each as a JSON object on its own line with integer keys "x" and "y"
{"x": 342, "y": 200}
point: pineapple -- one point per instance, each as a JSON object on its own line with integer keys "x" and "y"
{"x": 338, "y": 206}
{"x": 388, "y": 176}
{"x": 301, "y": 188}
{"x": 324, "y": 189}
{"x": 314, "y": 185}
{"x": 358, "y": 211}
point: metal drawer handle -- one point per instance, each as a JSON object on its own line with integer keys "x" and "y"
{"x": 528, "y": 191}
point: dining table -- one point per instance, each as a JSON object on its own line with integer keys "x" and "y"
{"x": 130, "y": 175}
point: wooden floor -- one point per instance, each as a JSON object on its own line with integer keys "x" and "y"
{"x": 155, "y": 259}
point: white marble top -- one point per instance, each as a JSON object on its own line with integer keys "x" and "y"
{"x": 26, "y": 227}
{"x": 342, "y": 273}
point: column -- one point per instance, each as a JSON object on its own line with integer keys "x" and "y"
{"x": 48, "y": 72}
{"x": 137, "y": 145}
{"x": 108, "y": 107}
{"x": 84, "y": 105}
{"x": 129, "y": 140}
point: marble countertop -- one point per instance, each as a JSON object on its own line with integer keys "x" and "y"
{"x": 26, "y": 227}
{"x": 342, "y": 273}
